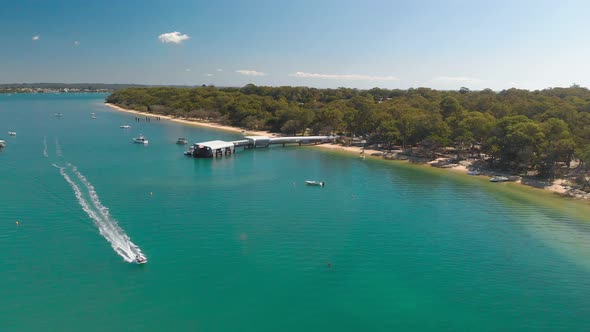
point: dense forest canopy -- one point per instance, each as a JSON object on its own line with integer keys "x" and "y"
{"x": 516, "y": 129}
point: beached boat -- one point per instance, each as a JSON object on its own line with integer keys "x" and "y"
{"x": 182, "y": 141}
{"x": 315, "y": 183}
{"x": 125, "y": 126}
{"x": 12, "y": 133}
{"x": 140, "y": 140}
{"x": 499, "y": 179}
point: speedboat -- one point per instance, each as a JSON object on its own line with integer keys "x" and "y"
{"x": 57, "y": 114}
{"x": 12, "y": 133}
{"x": 140, "y": 259}
{"x": 499, "y": 179}
{"x": 182, "y": 141}
{"x": 2, "y": 143}
{"x": 315, "y": 183}
{"x": 125, "y": 126}
{"x": 140, "y": 140}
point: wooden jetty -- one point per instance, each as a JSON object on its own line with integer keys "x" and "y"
{"x": 219, "y": 148}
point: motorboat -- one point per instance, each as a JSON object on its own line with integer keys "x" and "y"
{"x": 125, "y": 126}
{"x": 315, "y": 183}
{"x": 182, "y": 141}
{"x": 499, "y": 179}
{"x": 12, "y": 133}
{"x": 140, "y": 259}
{"x": 474, "y": 172}
{"x": 189, "y": 152}
{"x": 2, "y": 143}
{"x": 58, "y": 114}
{"x": 93, "y": 117}
{"x": 140, "y": 140}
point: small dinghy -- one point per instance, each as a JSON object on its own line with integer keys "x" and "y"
{"x": 315, "y": 183}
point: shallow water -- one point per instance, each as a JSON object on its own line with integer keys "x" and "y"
{"x": 242, "y": 244}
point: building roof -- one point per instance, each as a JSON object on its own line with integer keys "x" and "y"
{"x": 214, "y": 145}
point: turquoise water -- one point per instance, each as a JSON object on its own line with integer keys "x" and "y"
{"x": 241, "y": 244}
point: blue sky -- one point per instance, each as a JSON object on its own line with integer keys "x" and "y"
{"x": 360, "y": 44}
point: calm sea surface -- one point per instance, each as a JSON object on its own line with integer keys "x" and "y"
{"x": 242, "y": 244}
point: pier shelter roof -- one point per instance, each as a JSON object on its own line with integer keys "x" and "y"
{"x": 214, "y": 145}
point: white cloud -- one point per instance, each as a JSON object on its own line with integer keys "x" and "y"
{"x": 76, "y": 43}
{"x": 173, "y": 37}
{"x": 37, "y": 37}
{"x": 208, "y": 75}
{"x": 250, "y": 72}
{"x": 219, "y": 69}
{"x": 458, "y": 79}
{"x": 300, "y": 74}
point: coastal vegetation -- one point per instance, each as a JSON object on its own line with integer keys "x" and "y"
{"x": 543, "y": 132}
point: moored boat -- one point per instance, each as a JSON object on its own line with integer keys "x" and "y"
{"x": 315, "y": 183}
{"x": 499, "y": 179}
{"x": 2, "y": 143}
{"x": 473, "y": 172}
{"x": 182, "y": 141}
{"x": 125, "y": 126}
{"x": 12, "y": 133}
{"x": 140, "y": 140}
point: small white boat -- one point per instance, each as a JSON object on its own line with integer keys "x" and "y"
{"x": 182, "y": 141}
{"x": 315, "y": 183}
{"x": 58, "y": 114}
{"x": 140, "y": 259}
{"x": 499, "y": 179}
{"x": 125, "y": 126}
{"x": 12, "y": 133}
{"x": 140, "y": 140}
{"x": 2, "y": 143}
{"x": 474, "y": 172}
{"x": 93, "y": 117}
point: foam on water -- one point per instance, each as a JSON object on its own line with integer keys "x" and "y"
{"x": 90, "y": 203}
{"x": 45, "y": 147}
{"x": 58, "y": 148}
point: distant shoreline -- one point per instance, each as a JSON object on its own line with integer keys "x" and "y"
{"x": 559, "y": 186}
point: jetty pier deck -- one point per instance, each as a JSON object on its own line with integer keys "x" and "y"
{"x": 219, "y": 148}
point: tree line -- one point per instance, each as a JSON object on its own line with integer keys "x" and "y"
{"x": 517, "y": 130}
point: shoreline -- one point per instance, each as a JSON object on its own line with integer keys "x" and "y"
{"x": 558, "y": 186}
{"x": 194, "y": 122}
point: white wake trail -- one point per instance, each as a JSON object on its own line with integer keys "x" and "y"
{"x": 107, "y": 225}
{"x": 58, "y": 148}
{"x": 45, "y": 147}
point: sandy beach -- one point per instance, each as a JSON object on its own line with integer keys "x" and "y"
{"x": 558, "y": 186}
{"x": 195, "y": 122}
